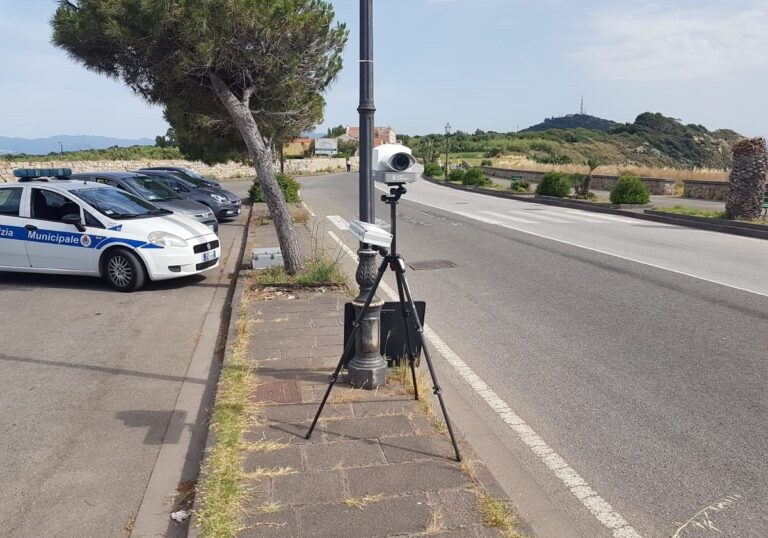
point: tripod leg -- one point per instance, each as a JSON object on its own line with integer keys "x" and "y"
{"x": 436, "y": 387}
{"x": 406, "y": 314}
{"x": 348, "y": 346}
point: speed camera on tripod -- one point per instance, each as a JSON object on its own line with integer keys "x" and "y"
{"x": 393, "y": 164}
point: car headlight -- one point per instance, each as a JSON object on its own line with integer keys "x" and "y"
{"x": 165, "y": 239}
{"x": 219, "y": 198}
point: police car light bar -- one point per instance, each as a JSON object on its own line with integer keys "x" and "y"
{"x": 30, "y": 173}
{"x": 370, "y": 234}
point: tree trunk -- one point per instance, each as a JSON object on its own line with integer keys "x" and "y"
{"x": 585, "y": 184}
{"x": 750, "y": 162}
{"x": 282, "y": 158}
{"x": 262, "y": 159}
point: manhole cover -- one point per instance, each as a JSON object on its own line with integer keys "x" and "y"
{"x": 428, "y": 265}
{"x": 279, "y": 392}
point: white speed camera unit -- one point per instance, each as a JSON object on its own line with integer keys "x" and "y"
{"x": 370, "y": 234}
{"x": 393, "y": 164}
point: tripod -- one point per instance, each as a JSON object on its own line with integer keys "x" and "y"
{"x": 396, "y": 263}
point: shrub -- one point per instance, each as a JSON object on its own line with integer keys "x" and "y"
{"x": 288, "y": 185}
{"x": 486, "y": 162}
{"x": 476, "y": 177}
{"x": 520, "y": 185}
{"x": 493, "y": 152}
{"x": 433, "y": 170}
{"x": 629, "y": 190}
{"x": 456, "y": 175}
{"x": 556, "y": 184}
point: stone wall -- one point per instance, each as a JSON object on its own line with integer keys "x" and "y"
{"x": 295, "y": 167}
{"x": 599, "y": 182}
{"x": 706, "y": 190}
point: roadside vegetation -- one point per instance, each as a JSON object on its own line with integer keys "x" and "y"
{"x": 629, "y": 190}
{"x": 692, "y": 212}
{"x": 652, "y": 142}
{"x": 131, "y": 153}
{"x": 221, "y": 492}
{"x": 287, "y": 184}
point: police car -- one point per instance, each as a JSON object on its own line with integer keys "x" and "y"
{"x": 50, "y": 224}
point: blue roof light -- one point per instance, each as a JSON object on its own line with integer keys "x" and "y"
{"x": 42, "y": 172}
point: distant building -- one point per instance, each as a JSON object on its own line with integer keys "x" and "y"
{"x": 381, "y": 135}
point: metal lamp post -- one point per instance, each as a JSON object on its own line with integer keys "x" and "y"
{"x": 447, "y": 139}
{"x": 367, "y": 369}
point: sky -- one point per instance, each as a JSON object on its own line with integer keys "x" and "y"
{"x": 498, "y": 65}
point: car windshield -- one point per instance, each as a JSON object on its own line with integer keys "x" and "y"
{"x": 190, "y": 173}
{"x": 152, "y": 190}
{"x": 117, "y": 204}
{"x": 192, "y": 182}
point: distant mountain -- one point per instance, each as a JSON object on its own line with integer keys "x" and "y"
{"x": 573, "y": 121}
{"x": 43, "y": 146}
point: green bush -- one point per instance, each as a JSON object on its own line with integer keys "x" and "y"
{"x": 556, "y": 184}
{"x": 520, "y": 185}
{"x": 433, "y": 170}
{"x": 493, "y": 152}
{"x": 629, "y": 190}
{"x": 486, "y": 162}
{"x": 456, "y": 175}
{"x": 476, "y": 177}
{"x": 288, "y": 185}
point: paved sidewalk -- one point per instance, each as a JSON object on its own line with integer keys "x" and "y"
{"x": 377, "y": 464}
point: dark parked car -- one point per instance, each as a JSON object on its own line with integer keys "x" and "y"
{"x": 224, "y": 204}
{"x": 187, "y": 174}
{"x": 155, "y": 192}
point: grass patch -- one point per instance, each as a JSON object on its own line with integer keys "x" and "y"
{"x": 402, "y": 374}
{"x": 264, "y": 446}
{"x": 221, "y": 492}
{"x": 497, "y": 515}
{"x": 693, "y": 211}
{"x": 361, "y": 502}
{"x": 270, "y": 472}
{"x": 270, "y": 508}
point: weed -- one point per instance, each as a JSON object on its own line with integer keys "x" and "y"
{"x": 270, "y": 472}
{"x": 497, "y": 514}
{"x": 362, "y": 502}
{"x": 270, "y": 508}
{"x": 264, "y": 446}
{"x": 435, "y": 523}
{"x": 692, "y": 211}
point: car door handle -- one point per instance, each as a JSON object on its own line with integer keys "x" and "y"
{"x": 30, "y": 228}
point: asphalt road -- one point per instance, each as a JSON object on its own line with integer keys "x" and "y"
{"x": 89, "y": 379}
{"x": 635, "y": 350}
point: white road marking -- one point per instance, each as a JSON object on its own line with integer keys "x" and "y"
{"x": 598, "y": 506}
{"x": 509, "y": 217}
{"x": 592, "y": 249}
{"x": 601, "y": 216}
{"x": 581, "y": 216}
{"x": 308, "y": 209}
{"x": 339, "y": 222}
{"x": 540, "y": 215}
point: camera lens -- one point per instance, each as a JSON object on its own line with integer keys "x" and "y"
{"x": 401, "y": 162}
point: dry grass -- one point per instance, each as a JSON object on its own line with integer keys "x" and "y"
{"x": 403, "y": 374}
{"x": 436, "y": 524}
{"x": 497, "y": 514}
{"x": 523, "y": 163}
{"x": 264, "y": 446}
{"x": 270, "y": 472}
{"x": 299, "y": 214}
{"x": 361, "y": 502}
{"x": 220, "y": 491}
{"x": 270, "y": 508}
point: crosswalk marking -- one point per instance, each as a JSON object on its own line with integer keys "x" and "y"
{"x": 508, "y": 217}
{"x": 540, "y": 215}
{"x": 580, "y": 216}
{"x": 603, "y": 217}
{"x": 339, "y": 222}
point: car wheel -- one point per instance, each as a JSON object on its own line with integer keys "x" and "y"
{"x": 123, "y": 270}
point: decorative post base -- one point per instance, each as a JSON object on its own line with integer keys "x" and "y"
{"x": 367, "y": 369}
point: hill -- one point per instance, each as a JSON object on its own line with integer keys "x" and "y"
{"x": 652, "y": 140}
{"x": 573, "y": 121}
{"x": 43, "y": 146}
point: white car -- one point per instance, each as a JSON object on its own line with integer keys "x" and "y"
{"x": 61, "y": 226}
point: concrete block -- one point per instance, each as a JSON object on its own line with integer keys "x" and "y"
{"x": 309, "y": 488}
{"x": 404, "y": 478}
{"x": 343, "y": 454}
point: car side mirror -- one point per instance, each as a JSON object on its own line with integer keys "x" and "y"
{"x": 75, "y": 220}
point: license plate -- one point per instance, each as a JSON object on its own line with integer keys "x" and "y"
{"x": 208, "y": 256}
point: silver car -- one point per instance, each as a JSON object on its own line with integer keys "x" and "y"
{"x": 153, "y": 191}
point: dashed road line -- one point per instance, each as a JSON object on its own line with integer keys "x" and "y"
{"x": 596, "y": 505}
{"x": 339, "y": 222}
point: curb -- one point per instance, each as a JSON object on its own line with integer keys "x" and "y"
{"x": 745, "y": 229}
